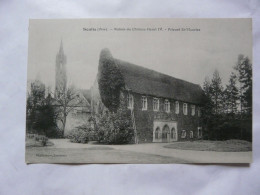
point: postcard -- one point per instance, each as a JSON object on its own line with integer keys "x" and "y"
{"x": 141, "y": 91}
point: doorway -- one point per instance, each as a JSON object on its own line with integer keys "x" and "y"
{"x": 165, "y": 133}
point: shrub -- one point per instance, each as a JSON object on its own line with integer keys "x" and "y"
{"x": 116, "y": 127}
{"x": 42, "y": 139}
{"x": 81, "y": 135}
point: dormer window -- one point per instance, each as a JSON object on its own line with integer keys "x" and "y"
{"x": 185, "y": 108}
{"x": 177, "y": 107}
{"x": 144, "y": 103}
{"x": 130, "y": 101}
{"x": 167, "y": 106}
{"x": 155, "y": 104}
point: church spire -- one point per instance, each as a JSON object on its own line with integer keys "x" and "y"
{"x": 61, "y": 73}
{"x": 61, "y": 47}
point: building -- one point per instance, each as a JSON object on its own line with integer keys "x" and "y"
{"x": 163, "y": 108}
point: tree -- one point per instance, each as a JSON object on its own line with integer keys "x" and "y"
{"x": 35, "y": 98}
{"x": 216, "y": 93}
{"x": 231, "y": 95}
{"x": 67, "y": 100}
{"x": 244, "y": 71}
{"x": 40, "y": 113}
{"x": 220, "y": 109}
{"x": 45, "y": 118}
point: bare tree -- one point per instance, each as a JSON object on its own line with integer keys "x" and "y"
{"x": 67, "y": 100}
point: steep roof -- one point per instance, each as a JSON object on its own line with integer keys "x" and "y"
{"x": 149, "y": 82}
{"x": 86, "y": 93}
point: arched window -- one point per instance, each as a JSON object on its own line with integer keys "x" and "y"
{"x": 191, "y": 134}
{"x": 156, "y": 133}
{"x": 173, "y": 133}
{"x": 183, "y": 134}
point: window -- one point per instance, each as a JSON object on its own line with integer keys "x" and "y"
{"x": 199, "y": 132}
{"x": 144, "y": 103}
{"x": 130, "y": 101}
{"x": 192, "y": 110}
{"x": 173, "y": 133}
{"x": 199, "y": 112}
{"x": 177, "y": 108}
{"x": 191, "y": 134}
{"x": 185, "y": 108}
{"x": 183, "y": 134}
{"x": 167, "y": 106}
{"x": 155, "y": 104}
{"x": 157, "y": 133}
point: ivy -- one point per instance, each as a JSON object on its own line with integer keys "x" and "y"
{"x": 110, "y": 81}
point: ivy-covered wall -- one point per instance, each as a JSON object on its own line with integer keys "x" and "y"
{"x": 145, "y": 118}
{"x": 110, "y": 81}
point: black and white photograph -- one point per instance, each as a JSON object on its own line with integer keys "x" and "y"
{"x": 139, "y": 91}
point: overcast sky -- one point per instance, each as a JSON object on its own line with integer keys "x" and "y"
{"x": 188, "y": 55}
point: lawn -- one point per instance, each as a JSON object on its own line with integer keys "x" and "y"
{"x": 31, "y": 142}
{"x": 217, "y": 146}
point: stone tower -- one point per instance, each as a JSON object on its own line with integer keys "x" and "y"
{"x": 61, "y": 73}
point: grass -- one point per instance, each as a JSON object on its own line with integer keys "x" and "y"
{"x": 31, "y": 142}
{"x": 217, "y": 146}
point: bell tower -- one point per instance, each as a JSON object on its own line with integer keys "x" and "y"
{"x": 61, "y": 73}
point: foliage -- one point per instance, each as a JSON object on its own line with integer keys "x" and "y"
{"x": 229, "y": 126}
{"x": 115, "y": 127}
{"x": 42, "y": 139}
{"x": 221, "y": 113}
{"x": 67, "y": 99}
{"x": 110, "y": 81}
{"x": 45, "y": 119}
{"x": 216, "y": 92}
{"x": 231, "y": 94}
{"x": 244, "y": 69}
{"x": 35, "y": 140}
{"x": 82, "y": 134}
{"x": 40, "y": 113}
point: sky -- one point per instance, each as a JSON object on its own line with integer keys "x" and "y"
{"x": 185, "y": 54}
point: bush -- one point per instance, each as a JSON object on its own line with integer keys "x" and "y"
{"x": 42, "y": 139}
{"x": 81, "y": 135}
{"x": 116, "y": 127}
{"x": 229, "y": 127}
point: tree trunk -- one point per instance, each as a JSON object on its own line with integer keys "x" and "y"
{"x": 64, "y": 125}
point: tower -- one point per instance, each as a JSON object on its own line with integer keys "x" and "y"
{"x": 61, "y": 73}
